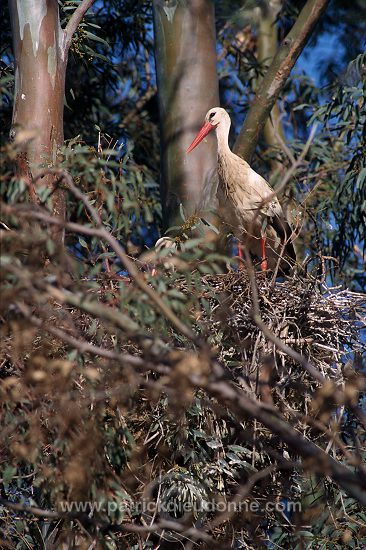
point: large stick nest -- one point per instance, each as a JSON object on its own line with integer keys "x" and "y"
{"x": 323, "y": 324}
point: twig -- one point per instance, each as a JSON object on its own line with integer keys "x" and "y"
{"x": 140, "y": 104}
{"x": 295, "y": 165}
{"x": 268, "y": 333}
{"x": 241, "y": 494}
{"x": 334, "y": 439}
{"x": 192, "y": 532}
{"x": 35, "y": 511}
{"x": 79, "y": 301}
{"x": 126, "y": 262}
{"x": 102, "y": 233}
{"x": 286, "y": 349}
{"x": 26, "y": 476}
{"x": 318, "y": 460}
{"x": 82, "y": 345}
{"x": 284, "y": 146}
{"x": 128, "y": 527}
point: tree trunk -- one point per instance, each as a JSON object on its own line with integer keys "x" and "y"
{"x": 41, "y": 50}
{"x": 185, "y": 53}
{"x": 39, "y": 91}
{"x": 267, "y": 44}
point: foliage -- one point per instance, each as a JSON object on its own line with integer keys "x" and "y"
{"x": 108, "y": 404}
{"x": 105, "y": 403}
{"x": 337, "y": 164}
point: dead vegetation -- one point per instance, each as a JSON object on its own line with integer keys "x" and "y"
{"x": 104, "y": 399}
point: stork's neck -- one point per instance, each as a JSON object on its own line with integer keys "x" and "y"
{"x": 222, "y": 134}
{"x": 225, "y": 155}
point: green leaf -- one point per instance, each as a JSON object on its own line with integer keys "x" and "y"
{"x": 96, "y": 38}
{"x": 239, "y": 449}
{"x": 361, "y": 178}
{"x": 96, "y": 54}
{"x": 192, "y": 243}
{"x": 83, "y": 243}
{"x": 214, "y": 444}
{"x": 182, "y": 213}
{"x": 8, "y": 474}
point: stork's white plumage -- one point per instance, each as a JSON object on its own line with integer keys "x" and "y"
{"x": 254, "y": 216}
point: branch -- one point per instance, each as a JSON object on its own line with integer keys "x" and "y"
{"x": 102, "y": 233}
{"x": 79, "y": 301}
{"x": 82, "y": 345}
{"x": 316, "y": 459}
{"x": 186, "y": 531}
{"x": 276, "y": 76}
{"x": 174, "y": 526}
{"x": 123, "y": 257}
{"x": 241, "y": 495}
{"x": 74, "y": 22}
{"x": 35, "y": 511}
{"x": 280, "y": 344}
{"x": 295, "y": 165}
{"x": 95, "y": 308}
{"x": 140, "y": 104}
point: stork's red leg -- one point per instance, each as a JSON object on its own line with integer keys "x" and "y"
{"x": 264, "y": 256}
{"x": 240, "y": 250}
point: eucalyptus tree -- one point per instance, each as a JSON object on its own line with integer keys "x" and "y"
{"x": 187, "y": 88}
{"x": 185, "y": 52}
{"x": 41, "y": 49}
{"x": 118, "y": 386}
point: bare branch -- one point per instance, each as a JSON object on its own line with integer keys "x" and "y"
{"x": 276, "y": 76}
{"x": 242, "y": 493}
{"x": 226, "y": 393}
{"x": 286, "y": 349}
{"x": 82, "y": 345}
{"x": 140, "y": 104}
{"x": 127, "y": 262}
{"x": 317, "y": 459}
{"x": 191, "y": 532}
{"x": 74, "y": 22}
{"x": 185, "y": 531}
{"x": 92, "y": 307}
{"x": 102, "y": 233}
{"x": 38, "y": 512}
{"x": 294, "y": 167}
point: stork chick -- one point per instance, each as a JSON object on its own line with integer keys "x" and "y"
{"x": 256, "y": 217}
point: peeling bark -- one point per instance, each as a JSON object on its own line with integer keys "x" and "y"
{"x": 185, "y": 53}
{"x": 276, "y": 76}
{"x": 39, "y": 91}
{"x": 41, "y": 51}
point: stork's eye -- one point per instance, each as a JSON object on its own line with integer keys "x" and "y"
{"x": 212, "y": 115}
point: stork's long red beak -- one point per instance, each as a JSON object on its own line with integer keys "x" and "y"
{"x": 205, "y": 130}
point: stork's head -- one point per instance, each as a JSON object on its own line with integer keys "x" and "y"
{"x": 216, "y": 118}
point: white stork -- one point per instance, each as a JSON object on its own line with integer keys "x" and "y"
{"x": 254, "y": 214}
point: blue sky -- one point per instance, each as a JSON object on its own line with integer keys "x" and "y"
{"x": 312, "y": 58}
